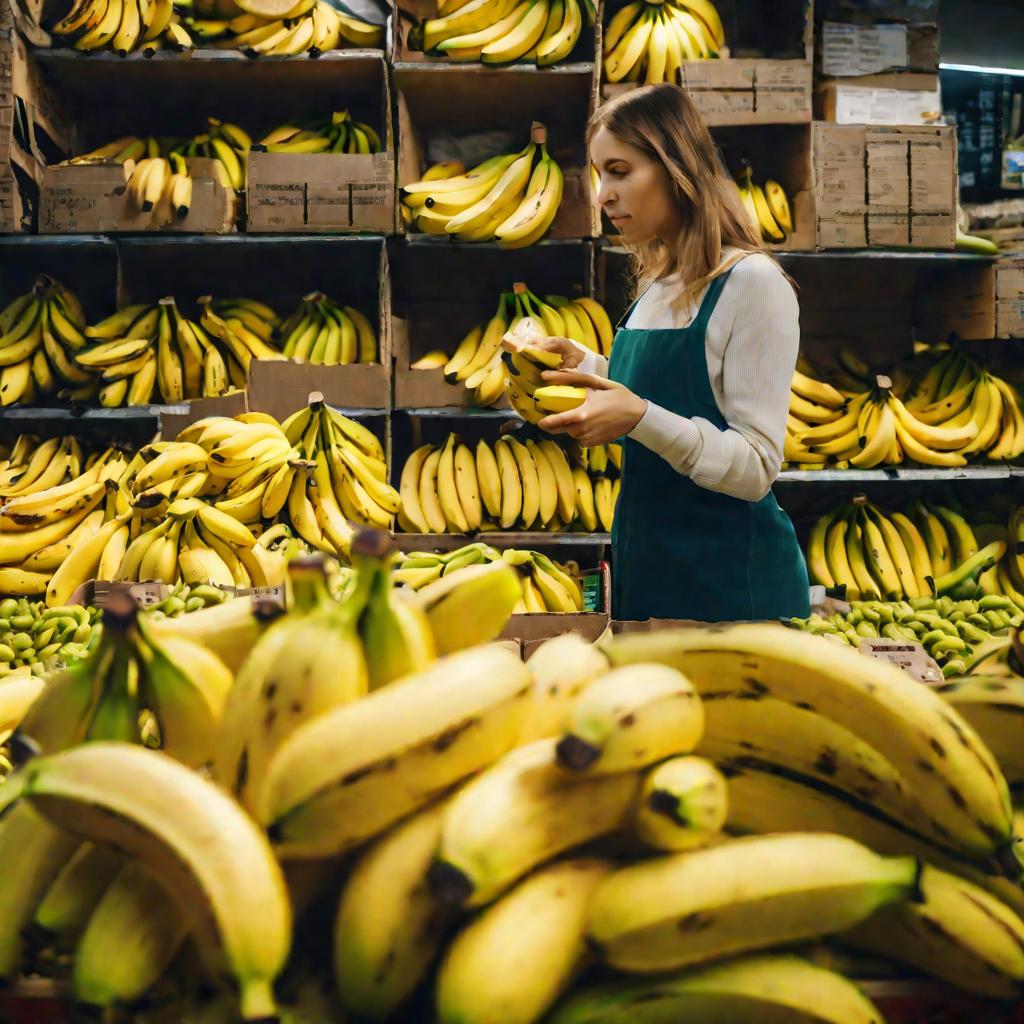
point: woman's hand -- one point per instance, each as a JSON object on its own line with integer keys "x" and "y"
{"x": 571, "y": 354}
{"x": 609, "y": 412}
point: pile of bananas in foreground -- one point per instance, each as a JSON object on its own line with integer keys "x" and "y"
{"x": 511, "y": 198}
{"x": 221, "y": 504}
{"x": 544, "y": 32}
{"x": 649, "y": 40}
{"x": 277, "y": 28}
{"x": 548, "y": 587}
{"x": 485, "y": 370}
{"x": 942, "y": 413}
{"x": 534, "y": 866}
{"x": 508, "y": 485}
{"x": 152, "y": 351}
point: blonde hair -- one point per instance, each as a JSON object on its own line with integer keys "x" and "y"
{"x": 662, "y": 121}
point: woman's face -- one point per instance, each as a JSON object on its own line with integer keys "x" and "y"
{"x": 635, "y": 191}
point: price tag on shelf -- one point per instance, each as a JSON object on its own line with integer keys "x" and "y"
{"x": 912, "y": 658}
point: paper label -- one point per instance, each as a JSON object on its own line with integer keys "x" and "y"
{"x": 912, "y": 658}
{"x": 856, "y": 105}
{"x": 593, "y": 585}
{"x": 850, "y": 50}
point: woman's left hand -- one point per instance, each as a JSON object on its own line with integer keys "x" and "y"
{"x": 609, "y": 412}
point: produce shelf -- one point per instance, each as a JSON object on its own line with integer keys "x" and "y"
{"x": 531, "y": 539}
{"x": 895, "y": 474}
{"x": 64, "y": 414}
{"x": 461, "y": 412}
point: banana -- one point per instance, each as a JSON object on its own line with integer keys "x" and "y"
{"x": 470, "y": 608}
{"x": 34, "y": 852}
{"x": 630, "y": 718}
{"x": 396, "y": 634}
{"x": 683, "y": 805}
{"x": 126, "y": 947}
{"x": 530, "y": 478}
{"x": 561, "y": 669}
{"x": 805, "y": 885}
{"x": 519, "y": 813}
{"x": 993, "y": 707}
{"x": 958, "y": 932}
{"x": 489, "y": 479}
{"x": 389, "y": 928}
{"x": 189, "y": 832}
{"x": 305, "y": 666}
{"x": 771, "y": 987}
{"x": 514, "y": 961}
{"x": 318, "y": 803}
{"x": 67, "y": 907}
{"x": 960, "y": 791}
{"x": 622, "y": 56}
{"x": 512, "y": 489}
{"x": 586, "y": 509}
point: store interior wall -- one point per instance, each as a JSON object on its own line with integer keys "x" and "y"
{"x": 987, "y": 33}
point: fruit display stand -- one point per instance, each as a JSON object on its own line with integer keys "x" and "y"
{"x": 1010, "y": 298}
{"x": 764, "y": 74}
{"x": 225, "y": 84}
{"x": 472, "y": 112}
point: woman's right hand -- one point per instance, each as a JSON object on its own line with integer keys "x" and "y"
{"x": 572, "y": 355}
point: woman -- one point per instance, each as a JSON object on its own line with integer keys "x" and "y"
{"x": 698, "y": 381}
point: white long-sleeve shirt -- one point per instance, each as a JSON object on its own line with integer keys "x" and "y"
{"x": 752, "y": 342}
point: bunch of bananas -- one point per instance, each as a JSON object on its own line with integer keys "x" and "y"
{"x": 926, "y": 550}
{"x": 31, "y": 635}
{"x": 121, "y": 25}
{"x": 478, "y": 360}
{"x": 338, "y": 133}
{"x": 649, "y": 40}
{"x": 511, "y": 199}
{"x": 147, "y": 349}
{"x": 326, "y": 334}
{"x": 944, "y": 414}
{"x": 547, "y": 586}
{"x": 463, "y": 780}
{"x": 449, "y": 489}
{"x": 124, "y": 26}
{"x": 767, "y": 207}
{"x": 338, "y": 476}
{"x": 957, "y": 634}
{"x": 224, "y": 142}
{"x": 596, "y": 472}
{"x": 40, "y": 332}
{"x": 541, "y": 31}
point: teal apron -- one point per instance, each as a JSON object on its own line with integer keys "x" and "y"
{"x": 681, "y": 551}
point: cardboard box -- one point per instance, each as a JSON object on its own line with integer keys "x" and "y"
{"x": 448, "y": 105}
{"x": 959, "y": 300}
{"x": 408, "y": 14}
{"x": 173, "y": 423}
{"x": 31, "y": 128}
{"x": 883, "y": 186}
{"x": 1010, "y": 298}
{"x": 782, "y": 153}
{"x": 331, "y": 192}
{"x": 92, "y": 199}
{"x": 743, "y": 91}
{"x": 279, "y": 387}
{"x": 879, "y": 99}
{"x": 849, "y": 50}
{"x": 532, "y": 630}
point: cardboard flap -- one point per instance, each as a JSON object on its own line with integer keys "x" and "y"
{"x": 279, "y": 387}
